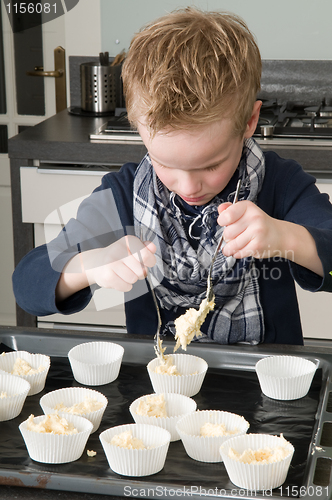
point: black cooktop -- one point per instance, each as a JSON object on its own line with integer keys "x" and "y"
{"x": 288, "y": 120}
{"x": 295, "y": 119}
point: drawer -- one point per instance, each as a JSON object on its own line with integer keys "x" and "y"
{"x": 91, "y": 317}
{"x": 46, "y": 191}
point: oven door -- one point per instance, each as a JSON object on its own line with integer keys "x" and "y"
{"x": 45, "y": 191}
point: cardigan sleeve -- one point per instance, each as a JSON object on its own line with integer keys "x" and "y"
{"x": 34, "y": 284}
{"x": 300, "y": 201}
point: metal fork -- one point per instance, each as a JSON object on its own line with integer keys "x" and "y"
{"x": 209, "y": 291}
{"x": 157, "y": 346}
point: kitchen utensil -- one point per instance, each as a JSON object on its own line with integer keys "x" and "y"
{"x": 191, "y": 373}
{"x": 157, "y": 345}
{"x": 104, "y": 58}
{"x": 205, "y": 447}
{"x": 177, "y": 406}
{"x": 52, "y": 448}
{"x": 209, "y": 292}
{"x": 40, "y": 364}
{"x": 136, "y": 462}
{"x": 14, "y": 391}
{"x": 99, "y": 82}
{"x": 285, "y": 377}
{"x": 81, "y": 401}
{"x": 257, "y": 475}
{"x": 96, "y": 363}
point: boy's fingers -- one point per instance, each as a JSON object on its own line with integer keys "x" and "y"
{"x": 126, "y": 273}
{"x": 118, "y": 283}
{"x": 146, "y": 255}
{"x": 108, "y": 277}
{"x": 234, "y": 230}
{"x": 136, "y": 264}
{"x": 232, "y": 214}
{"x": 223, "y": 207}
{"x": 151, "y": 246}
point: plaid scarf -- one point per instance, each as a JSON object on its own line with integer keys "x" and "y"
{"x": 180, "y": 275}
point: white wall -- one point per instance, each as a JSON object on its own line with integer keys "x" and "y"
{"x": 285, "y": 29}
{"x": 82, "y": 26}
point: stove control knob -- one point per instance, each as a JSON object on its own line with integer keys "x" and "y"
{"x": 267, "y": 130}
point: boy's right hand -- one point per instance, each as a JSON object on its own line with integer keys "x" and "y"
{"x": 117, "y": 266}
{"x": 120, "y": 264}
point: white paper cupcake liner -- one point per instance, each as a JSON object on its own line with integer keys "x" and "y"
{"x": 192, "y": 369}
{"x": 177, "y": 406}
{"x": 37, "y": 380}
{"x": 57, "y": 448}
{"x": 96, "y": 363}
{"x": 16, "y": 389}
{"x": 285, "y": 377}
{"x": 74, "y": 395}
{"x": 256, "y": 476}
{"x": 136, "y": 463}
{"x": 206, "y": 448}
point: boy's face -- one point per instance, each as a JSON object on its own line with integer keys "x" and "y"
{"x": 197, "y": 164}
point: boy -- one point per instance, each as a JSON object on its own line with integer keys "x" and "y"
{"x": 191, "y": 80}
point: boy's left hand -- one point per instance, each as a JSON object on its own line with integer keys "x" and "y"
{"x": 249, "y": 231}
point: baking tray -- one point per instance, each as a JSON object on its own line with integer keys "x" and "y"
{"x": 231, "y": 385}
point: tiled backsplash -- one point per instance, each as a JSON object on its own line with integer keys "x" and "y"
{"x": 305, "y": 81}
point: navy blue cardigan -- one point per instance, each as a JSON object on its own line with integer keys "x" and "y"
{"x": 288, "y": 193}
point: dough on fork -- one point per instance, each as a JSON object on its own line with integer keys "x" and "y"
{"x": 189, "y": 324}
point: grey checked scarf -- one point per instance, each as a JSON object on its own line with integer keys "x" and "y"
{"x": 181, "y": 272}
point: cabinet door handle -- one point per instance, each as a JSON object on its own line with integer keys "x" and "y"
{"x": 39, "y": 71}
{"x": 59, "y": 73}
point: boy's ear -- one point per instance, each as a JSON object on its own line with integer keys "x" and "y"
{"x": 252, "y": 123}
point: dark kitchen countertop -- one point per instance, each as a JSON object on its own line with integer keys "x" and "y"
{"x": 65, "y": 138}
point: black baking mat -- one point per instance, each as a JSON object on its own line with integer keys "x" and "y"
{"x": 235, "y": 391}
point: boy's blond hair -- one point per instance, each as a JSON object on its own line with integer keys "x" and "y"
{"x": 191, "y": 68}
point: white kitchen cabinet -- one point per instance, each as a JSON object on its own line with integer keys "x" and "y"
{"x": 7, "y": 300}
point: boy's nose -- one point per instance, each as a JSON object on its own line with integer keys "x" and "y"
{"x": 189, "y": 185}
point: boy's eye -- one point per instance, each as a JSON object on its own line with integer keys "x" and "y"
{"x": 214, "y": 167}
{"x": 207, "y": 169}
